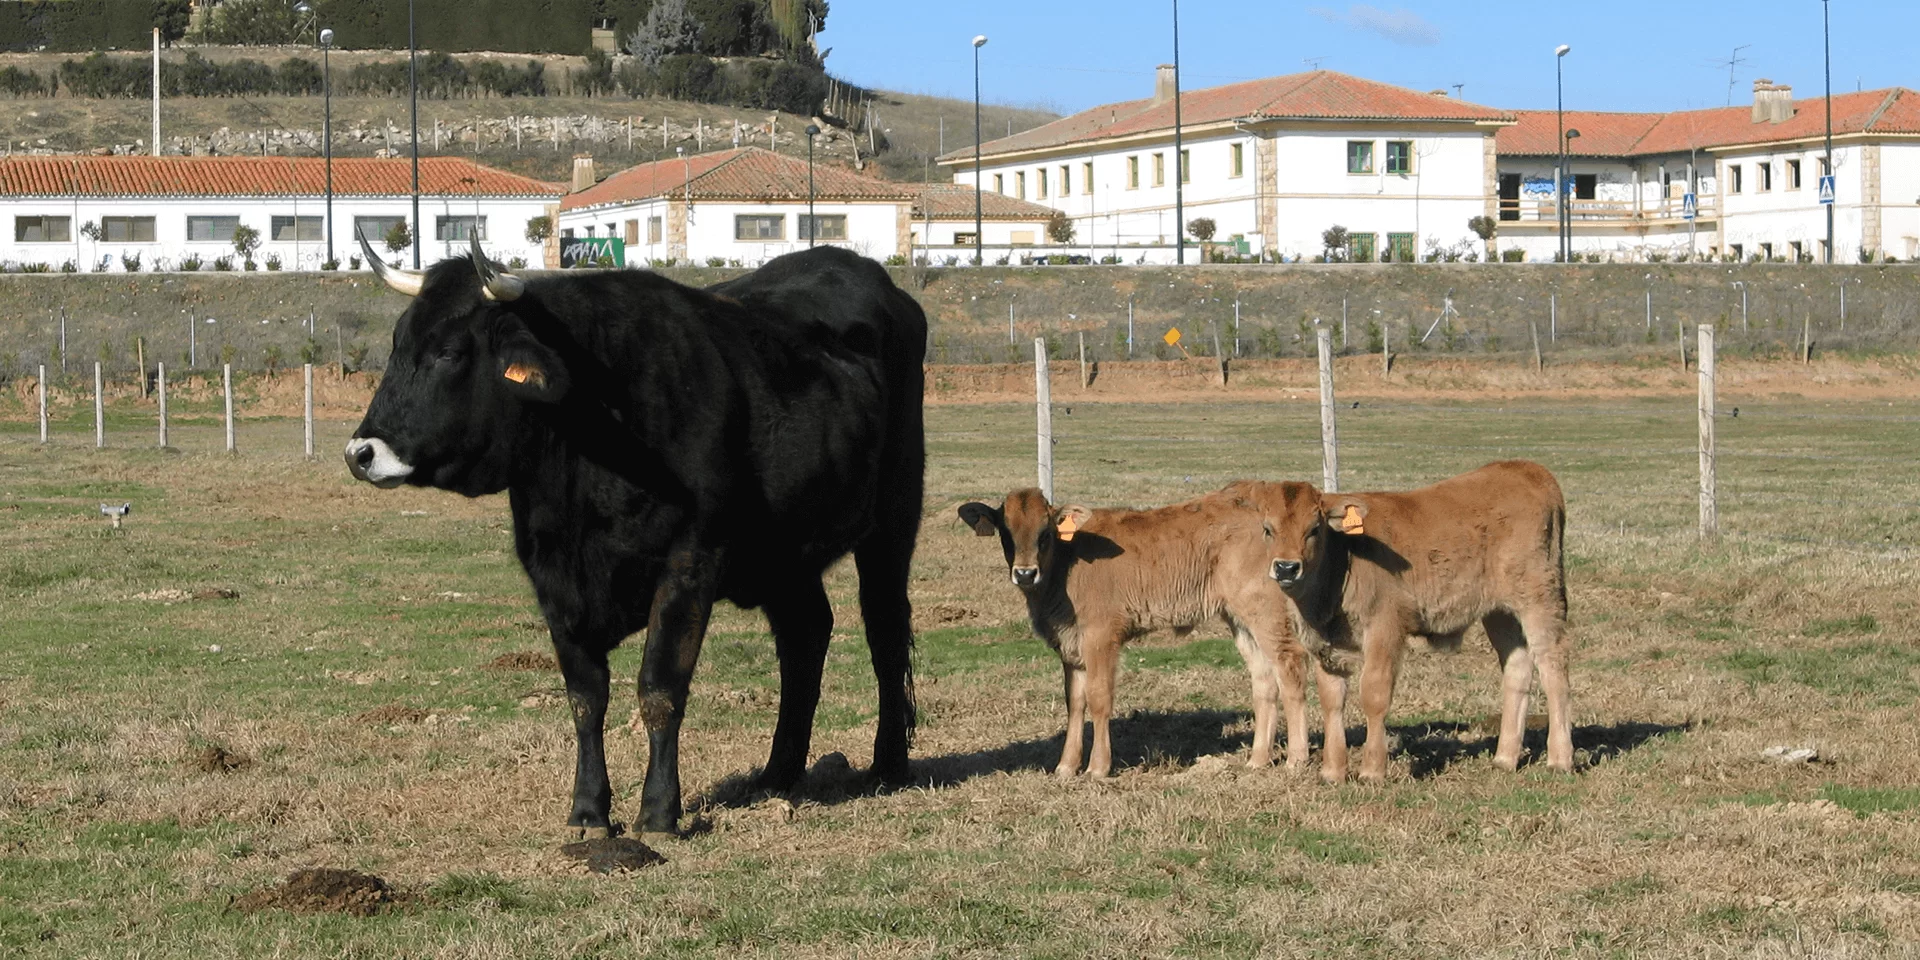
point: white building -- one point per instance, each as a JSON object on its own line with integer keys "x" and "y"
{"x": 1753, "y": 170}
{"x": 110, "y": 213}
{"x": 1274, "y": 163}
{"x": 944, "y": 228}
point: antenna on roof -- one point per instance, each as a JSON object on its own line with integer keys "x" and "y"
{"x": 1313, "y": 63}
{"x": 1459, "y": 91}
{"x": 1730, "y": 63}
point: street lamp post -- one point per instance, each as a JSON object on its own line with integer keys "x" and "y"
{"x": 1560, "y": 171}
{"x": 326, "y": 135}
{"x": 1566, "y": 202}
{"x": 1179, "y": 153}
{"x": 813, "y": 223}
{"x": 1826, "y": 40}
{"x": 413, "y": 94}
{"x": 979, "y": 244}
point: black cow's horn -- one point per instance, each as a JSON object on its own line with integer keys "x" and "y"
{"x": 408, "y": 282}
{"x": 494, "y": 286}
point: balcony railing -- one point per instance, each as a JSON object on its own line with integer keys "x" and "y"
{"x": 1605, "y": 211}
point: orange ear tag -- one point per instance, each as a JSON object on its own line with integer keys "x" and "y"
{"x": 1351, "y": 523}
{"x": 1067, "y": 528}
{"x": 521, "y": 373}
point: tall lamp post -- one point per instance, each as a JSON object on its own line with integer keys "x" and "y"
{"x": 1179, "y": 153}
{"x": 326, "y": 135}
{"x": 1826, "y": 40}
{"x": 1566, "y": 202}
{"x": 413, "y": 95}
{"x": 813, "y": 223}
{"x": 1560, "y": 172}
{"x": 979, "y": 244}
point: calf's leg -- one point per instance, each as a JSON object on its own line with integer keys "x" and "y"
{"x": 802, "y": 622}
{"x": 1074, "y": 680}
{"x": 678, "y": 626}
{"x": 1101, "y": 651}
{"x": 1265, "y": 684}
{"x": 1333, "y": 712}
{"x": 585, "y": 671}
{"x": 1379, "y": 671}
{"x": 1546, "y": 632}
{"x": 1516, "y": 682}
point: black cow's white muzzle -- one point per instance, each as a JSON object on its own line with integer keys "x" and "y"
{"x": 370, "y": 459}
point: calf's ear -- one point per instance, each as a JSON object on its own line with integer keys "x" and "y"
{"x": 1345, "y": 514}
{"x": 530, "y": 369}
{"x": 1069, "y": 519}
{"x": 984, "y": 520}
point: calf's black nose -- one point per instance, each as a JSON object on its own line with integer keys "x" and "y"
{"x": 1286, "y": 571}
{"x": 1026, "y": 576}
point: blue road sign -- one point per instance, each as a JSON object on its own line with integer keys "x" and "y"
{"x": 1689, "y": 207}
{"x": 1826, "y": 188}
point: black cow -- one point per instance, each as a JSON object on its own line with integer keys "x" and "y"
{"x": 663, "y": 446}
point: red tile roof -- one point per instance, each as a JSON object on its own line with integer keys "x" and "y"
{"x": 954, "y": 201}
{"x": 742, "y": 173}
{"x": 1895, "y": 110}
{"x": 1316, "y": 95}
{"x": 45, "y": 176}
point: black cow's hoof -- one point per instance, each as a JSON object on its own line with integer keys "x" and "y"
{"x": 892, "y": 772}
{"x": 778, "y": 780}
{"x": 577, "y": 832}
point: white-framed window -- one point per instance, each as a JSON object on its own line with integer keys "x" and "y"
{"x": 1236, "y": 160}
{"x": 1040, "y": 183}
{"x": 1793, "y": 175}
{"x": 759, "y": 226}
{"x": 290, "y": 229}
{"x": 1186, "y": 166}
{"x": 465, "y": 226}
{"x": 1020, "y": 184}
{"x": 964, "y": 239}
{"x": 833, "y": 226}
{"x": 39, "y": 229}
{"x": 211, "y": 229}
{"x": 1734, "y": 180}
{"x": 1159, "y": 169}
{"x": 375, "y": 229}
{"x": 1086, "y": 178}
{"x": 1764, "y": 182}
{"x": 1066, "y": 180}
{"x": 653, "y": 229}
{"x": 126, "y": 229}
{"x": 1000, "y": 183}
{"x": 1133, "y": 173}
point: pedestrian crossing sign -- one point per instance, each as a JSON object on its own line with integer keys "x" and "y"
{"x": 1826, "y": 188}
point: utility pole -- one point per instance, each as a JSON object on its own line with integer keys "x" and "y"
{"x": 1826, "y": 37}
{"x": 1179, "y": 153}
{"x": 413, "y": 93}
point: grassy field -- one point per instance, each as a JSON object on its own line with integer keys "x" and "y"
{"x": 161, "y": 755}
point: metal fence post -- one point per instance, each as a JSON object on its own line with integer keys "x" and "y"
{"x": 1043, "y": 402}
{"x": 1709, "y": 505}
{"x": 160, "y": 386}
{"x": 226, "y": 391}
{"x": 1329, "y": 438}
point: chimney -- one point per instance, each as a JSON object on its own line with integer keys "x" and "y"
{"x": 582, "y": 171}
{"x": 1782, "y": 103}
{"x": 1772, "y": 102}
{"x": 1162, "y": 84}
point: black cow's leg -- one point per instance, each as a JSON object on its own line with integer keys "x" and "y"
{"x": 678, "y": 625}
{"x": 883, "y": 561}
{"x": 802, "y": 621}
{"x": 585, "y": 672}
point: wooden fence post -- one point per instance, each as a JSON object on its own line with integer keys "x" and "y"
{"x": 1219, "y": 358}
{"x": 1538, "y": 366}
{"x": 1083, "y": 359}
{"x": 1386, "y": 349}
{"x": 226, "y": 391}
{"x": 41, "y": 389}
{"x": 160, "y": 386}
{"x": 1806, "y": 337}
{"x": 140, "y": 359}
{"x": 99, "y": 409}
{"x": 1709, "y": 505}
{"x": 307, "y": 372}
{"x": 1043, "y": 403}
{"x": 1329, "y": 439}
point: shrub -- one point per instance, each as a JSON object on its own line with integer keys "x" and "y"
{"x": 273, "y": 261}
{"x": 897, "y": 260}
{"x": 271, "y": 359}
{"x": 1202, "y": 228}
{"x": 36, "y": 268}
{"x": 68, "y": 266}
{"x": 191, "y": 262}
{"x": 245, "y": 241}
{"x": 332, "y": 263}
{"x": 1483, "y": 227}
{"x": 223, "y": 264}
{"x": 539, "y": 229}
{"x": 399, "y": 238}
{"x": 1060, "y": 227}
{"x": 1334, "y": 240}
{"x": 716, "y": 261}
{"x": 130, "y": 262}
{"x": 310, "y": 351}
{"x": 1513, "y": 255}
{"x": 516, "y": 263}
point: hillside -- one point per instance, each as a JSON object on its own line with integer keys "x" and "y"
{"x": 512, "y": 132}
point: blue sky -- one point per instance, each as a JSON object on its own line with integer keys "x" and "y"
{"x": 1626, "y": 56}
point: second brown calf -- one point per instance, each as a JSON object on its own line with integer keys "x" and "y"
{"x": 1095, "y": 579}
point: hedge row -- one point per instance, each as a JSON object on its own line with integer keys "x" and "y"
{"x": 441, "y": 76}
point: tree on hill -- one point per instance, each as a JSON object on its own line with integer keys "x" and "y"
{"x": 172, "y": 17}
{"x": 668, "y": 29}
{"x": 251, "y": 22}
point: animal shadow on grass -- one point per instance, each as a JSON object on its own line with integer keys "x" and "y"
{"x": 1431, "y": 748}
{"x": 1140, "y": 738}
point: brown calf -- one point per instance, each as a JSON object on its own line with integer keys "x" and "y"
{"x": 1094, "y": 579}
{"x": 1365, "y": 571}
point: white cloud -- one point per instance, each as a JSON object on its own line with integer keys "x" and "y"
{"x": 1400, "y": 26}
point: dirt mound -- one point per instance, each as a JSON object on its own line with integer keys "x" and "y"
{"x": 523, "y": 660}
{"x": 943, "y": 615}
{"x": 220, "y": 760}
{"x": 613, "y": 854}
{"x": 322, "y": 890}
{"x": 391, "y": 714}
{"x": 176, "y": 595}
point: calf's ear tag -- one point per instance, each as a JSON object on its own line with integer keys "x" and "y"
{"x": 522, "y": 373}
{"x": 1067, "y": 528}
{"x": 1351, "y": 523}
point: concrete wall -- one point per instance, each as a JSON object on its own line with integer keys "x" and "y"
{"x": 872, "y": 229}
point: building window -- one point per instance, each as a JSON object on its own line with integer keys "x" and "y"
{"x": 126, "y": 229}
{"x": 1133, "y": 173}
{"x": 1739, "y": 252}
{"x": 759, "y": 226}
{"x": 1040, "y": 183}
{"x": 1360, "y": 247}
{"x": 1359, "y": 156}
{"x": 1066, "y": 180}
{"x": 1799, "y": 251}
{"x": 375, "y": 229}
{"x": 1765, "y": 178}
{"x": 653, "y": 229}
{"x": 464, "y": 227}
{"x": 633, "y": 233}
{"x": 566, "y": 234}
{"x": 1236, "y": 160}
{"x": 212, "y": 229}
{"x": 833, "y": 226}
{"x": 1733, "y": 178}
{"x": 1586, "y": 186}
{"x": 42, "y": 229}
{"x": 964, "y": 239}
{"x": 590, "y": 229}
{"x": 1400, "y": 247}
{"x": 1019, "y": 237}
{"x": 1400, "y": 156}
{"x": 1793, "y": 174}
{"x": 1000, "y": 184}
{"x": 1159, "y": 169}
{"x": 289, "y": 229}
{"x": 1186, "y": 166}
{"x": 1020, "y": 184}
{"x": 1086, "y": 178}
{"x": 1766, "y": 251}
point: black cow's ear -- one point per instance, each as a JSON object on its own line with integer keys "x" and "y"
{"x": 531, "y": 370}
{"x": 984, "y": 520}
